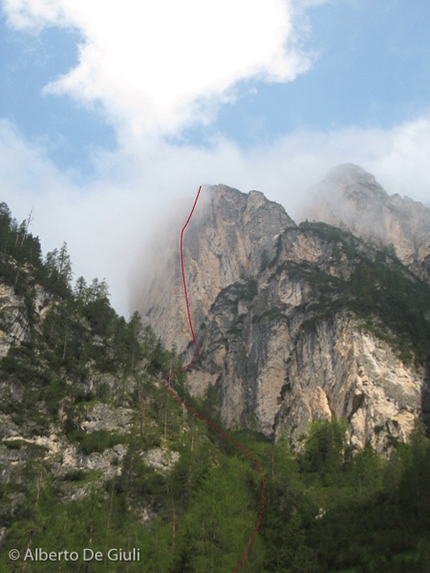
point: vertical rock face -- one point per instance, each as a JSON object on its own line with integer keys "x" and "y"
{"x": 292, "y": 321}
{"x": 343, "y": 370}
{"x": 14, "y": 316}
{"x": 13, "y": 319}
{"x": 229, "y": 237}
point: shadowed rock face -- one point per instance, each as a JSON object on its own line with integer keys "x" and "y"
{"x": 281, "y": 339}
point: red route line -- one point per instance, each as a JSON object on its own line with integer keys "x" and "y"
{"x": 208, "y": 422}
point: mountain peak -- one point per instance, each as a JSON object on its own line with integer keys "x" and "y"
{"x": 352, "y": 198}
{"x": 347, "y": 169}
{"x": 231, "y": 235}
{"x": 277, "y": 316}
{"x": 359, "y": 187}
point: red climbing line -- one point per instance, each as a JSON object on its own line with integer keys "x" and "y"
{"x": 208, "y": 422}
{"x": 184, "y": 282}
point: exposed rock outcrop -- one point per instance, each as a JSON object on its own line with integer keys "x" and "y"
{"x": 282, "y": 337}
{"x": 230, "y": 237}
{"x": 14, "y": 327}
{"x": 352, "y": 199}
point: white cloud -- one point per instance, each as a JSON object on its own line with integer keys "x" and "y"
{"x": 107, "y": 223}
{"x": 403, "y": 165}
{"x": 24, "y": 14}
{"x": 99, "y": 222}
{"x": 156, "y": 67}
{"x": 163, "y": 65}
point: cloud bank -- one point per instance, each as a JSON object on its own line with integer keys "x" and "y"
{"x": 154, "y": 69}
{"x": 108, "y": 222}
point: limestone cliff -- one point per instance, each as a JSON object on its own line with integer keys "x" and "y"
{"x": 352, "y": 199}
{"x": 297, "y": 322}
{"x": 229, "y": 237}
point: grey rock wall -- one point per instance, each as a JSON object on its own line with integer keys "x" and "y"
{"x": 271, "y": 371}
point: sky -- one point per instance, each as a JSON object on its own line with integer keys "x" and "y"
{"x": 111, "y": 118}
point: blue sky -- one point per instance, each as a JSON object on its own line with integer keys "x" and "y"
{"x": 107, "y": 118}
{"x": 371, "y": 71}
{"x": 28, "y": 62}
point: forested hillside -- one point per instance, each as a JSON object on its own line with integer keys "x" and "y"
{"x": 95, "y": 454}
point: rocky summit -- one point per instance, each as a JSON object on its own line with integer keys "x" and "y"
{"x": 314, "y": 343}
{"x": 328, "y": 318}
{"x": 352, "y": 199}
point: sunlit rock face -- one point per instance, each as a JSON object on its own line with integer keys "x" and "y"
{"x": 280, "y": 339}
{"x": 229, "y": 235}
